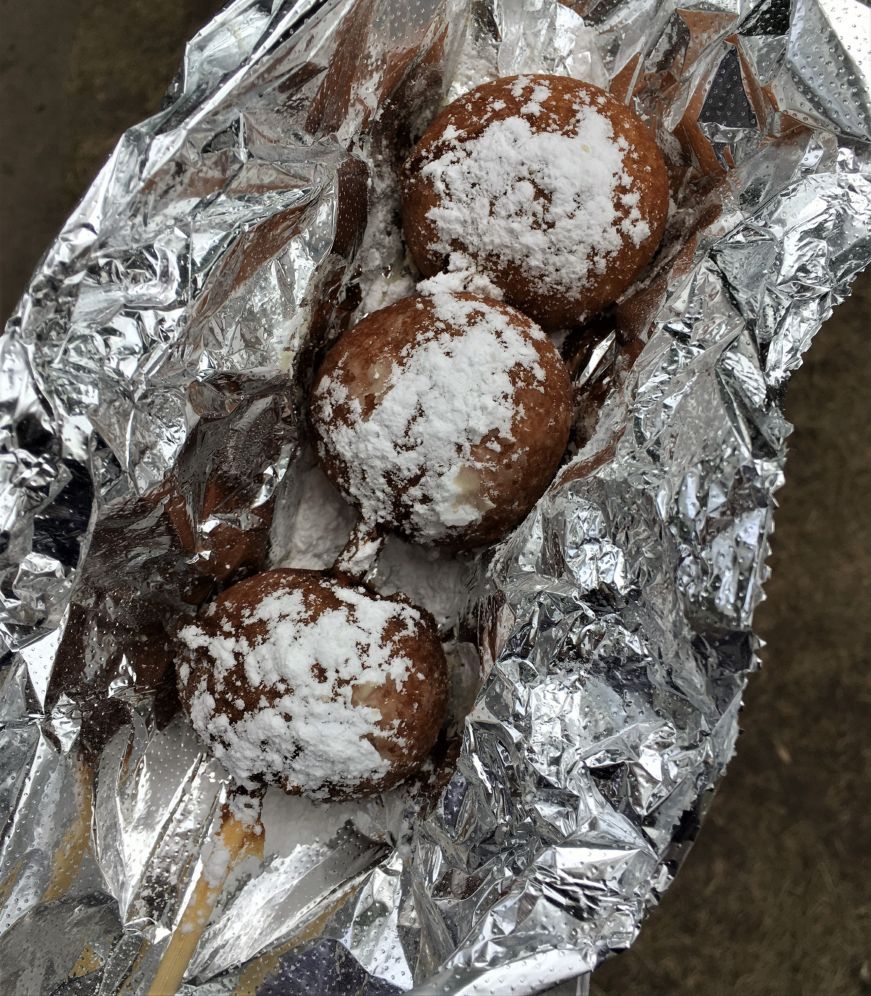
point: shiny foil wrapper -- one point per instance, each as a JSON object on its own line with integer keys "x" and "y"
{"x": 170, "y": 330}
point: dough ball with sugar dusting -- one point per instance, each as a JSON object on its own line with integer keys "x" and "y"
{"x": 554, "y": 189}
{"x": 330, "y": 691}
{"x": 443, "y": 417}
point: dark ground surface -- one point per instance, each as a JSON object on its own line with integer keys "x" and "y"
{"x": 775, "y": 900}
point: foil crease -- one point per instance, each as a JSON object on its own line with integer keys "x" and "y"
{"x": 172, "y": 323}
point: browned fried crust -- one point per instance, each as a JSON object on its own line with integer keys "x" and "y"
{"x": 513, "y": 479}
{"x": 418, "y": 708}
{"x": 470, "y": 115}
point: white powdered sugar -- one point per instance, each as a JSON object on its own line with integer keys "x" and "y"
{"x": 306, "y": 729}
{"x": 315, "y": 534}
{"x": 383, "y": 268}
{"x": 435, "y": 579}
{"x": 461, "y": 276}
{"x": 384, "y": 289}
{"x": 216, "y": 863}
{"x": 313, "y": 537}
{"x": 543, "y": 201}
{"x": 449, "y": 391}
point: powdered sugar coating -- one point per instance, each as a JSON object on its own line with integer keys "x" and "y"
{"x": 288, "y": 682}
{"x": 541, "y": 200}
{"x": 555, "y": 190}
{"x": 460, "y": 277}
{"x": 442, "y": 411}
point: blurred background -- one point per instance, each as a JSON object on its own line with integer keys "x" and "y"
{"x": 775, "y": 898}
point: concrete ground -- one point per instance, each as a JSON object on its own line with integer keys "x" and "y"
{"x": 775, "y": 900}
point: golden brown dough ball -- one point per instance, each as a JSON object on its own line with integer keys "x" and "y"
{"x": 328, "y": 690}
{"x": 553, "y": 189}
{"x": 443, "y": 417}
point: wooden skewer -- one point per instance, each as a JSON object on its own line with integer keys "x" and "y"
{"x": 238, "y": 839}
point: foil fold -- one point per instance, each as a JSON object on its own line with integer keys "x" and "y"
{"x": 173, "y": 323}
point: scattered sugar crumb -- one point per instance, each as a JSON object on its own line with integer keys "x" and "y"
{"x": 216, "y": 864}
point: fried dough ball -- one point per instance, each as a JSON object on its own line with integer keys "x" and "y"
{"x": 552, "y": 188}
{"x": 328, "y": 690}
{"x": 443, "y": 417}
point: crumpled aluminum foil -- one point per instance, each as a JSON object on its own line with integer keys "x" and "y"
{"x": 173, "y": 322}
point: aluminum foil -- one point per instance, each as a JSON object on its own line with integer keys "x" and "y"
{"x": 167, "y": 336}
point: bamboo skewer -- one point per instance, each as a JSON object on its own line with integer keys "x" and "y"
{"x": 238, "y": 839}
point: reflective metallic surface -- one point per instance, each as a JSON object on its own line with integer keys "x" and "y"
{"x": 178, "y": 313}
